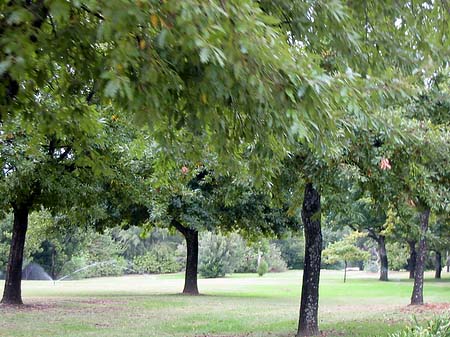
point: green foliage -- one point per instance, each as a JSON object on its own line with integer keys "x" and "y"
{"x": 398, "y": 255}
{"x": 276, "y": 263}
{"x": 161, "y": 259}
{"x": 438, "y": 327}
{"x": 263, "y": 267}
{"x": 98, "y": 256}
{"x": 345, "y": 250}
{"x": 292, "y": 250}
{"x": 219, "y": 255}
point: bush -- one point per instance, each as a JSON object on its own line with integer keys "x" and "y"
{"x": 439, "y": 327}
{"x": 249, "y": 261}
{"x": 398, "y": 256}
{"x": 159, "y": 260}
{"x": 292, "y": 251}
{"x": 100, "y": 257}
{"x": 81, "y": 266}
{"x": 220, "y": 254}
{"x": 263, "y": 267}
{"x": 371, "y": 266}
{"x": 277, "y": 264}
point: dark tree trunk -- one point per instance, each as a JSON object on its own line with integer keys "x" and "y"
{"x": 12, "y": 292}
{"x": 309, "y": 306}
{"x": 361, "y": 265}
{"x": 190, "y": 281}
{"x": 438, "y": 265}
{"x": 384, "y": 264}
{"x": 412, "y": 258}
{"x": 417, "y": 294}
{"x": 53, "y": 267}
{"x": 190, "y": 278}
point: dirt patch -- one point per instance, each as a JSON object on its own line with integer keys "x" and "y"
{"x": 437, "y": 308}
{"x": 67, "y": 305}
{"x": 28, "y": 307}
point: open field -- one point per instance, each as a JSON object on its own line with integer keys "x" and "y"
{"x": 239, "y": 305}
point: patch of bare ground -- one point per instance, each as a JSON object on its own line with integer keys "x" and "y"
{"x": 27, "y": 307}
{"x": 434, "y": 308}
{"x": 69, "y": 305}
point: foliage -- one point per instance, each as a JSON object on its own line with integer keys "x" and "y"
{"x": 345, "y": 250}
{"x": 438, "y": 327}
{"x": 99, "y": 256}
{"x": 219, "y": 255}
{"x": 399, "y": 254}
{"x": 137, "y": 241}
{"x": 276, "y": 263}
{"x": 160, "y": 259}
{"x": 292, "y": 250}
{"x": 263, "y": 267}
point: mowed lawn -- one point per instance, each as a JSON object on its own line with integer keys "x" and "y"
{"x": 238, "y": 305}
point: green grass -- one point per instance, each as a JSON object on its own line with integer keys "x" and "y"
{"x": 239, "y": 305}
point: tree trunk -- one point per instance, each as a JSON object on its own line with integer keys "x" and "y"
{"x": 448, "y": 263}
{"x": 361, "y": 265}
{"x": 308, "y": 322}
{"x": 345, "y": 271}
{"x": 412, "y": 258}
{"x": 190, "y": 278}
{"x": 53, "y": 267}
{"x": 417, "y": 294}
{"x": 384, "y": 264}
{"x": 438, "y": 265}
{"x": 12, "y": 292}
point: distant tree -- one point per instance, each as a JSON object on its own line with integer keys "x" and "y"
{"x": 346, "y": 251}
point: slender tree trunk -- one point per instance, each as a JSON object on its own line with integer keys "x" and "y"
{"x": 384, "y": 264}
{"x": 417, "y": 294}
{"x": 412, "y": 258}
{"x": 53, "y": 267}
{"x": 438, "y": 265}
{"x": 12, "y": 292}
{"x": 345, "y": 271}
{"x": 309, "y": 306}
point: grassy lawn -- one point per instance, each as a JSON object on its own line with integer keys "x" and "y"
{"x": 239, "y": 305}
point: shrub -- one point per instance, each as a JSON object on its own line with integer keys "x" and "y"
{"x": 398, "y": 256}
{"x": 292, "y": 251}
{"x": 83, "y": 267}
{"x": 439, "y": 327}
{"x": 159, "y": 260}
{"x": 263, "y": 267}
{"x": 220, "y": 254}
{"x": 277, "y": 264}
{"x": 249, "y": 261}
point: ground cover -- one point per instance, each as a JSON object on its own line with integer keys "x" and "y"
{"x": 238, "y": 305}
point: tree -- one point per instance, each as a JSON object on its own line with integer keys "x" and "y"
{"x": 198, "y": 199}
{"x": 345, "y": 250}
{"x": 335, "y": 30}
{"x": 60, "y": 167}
